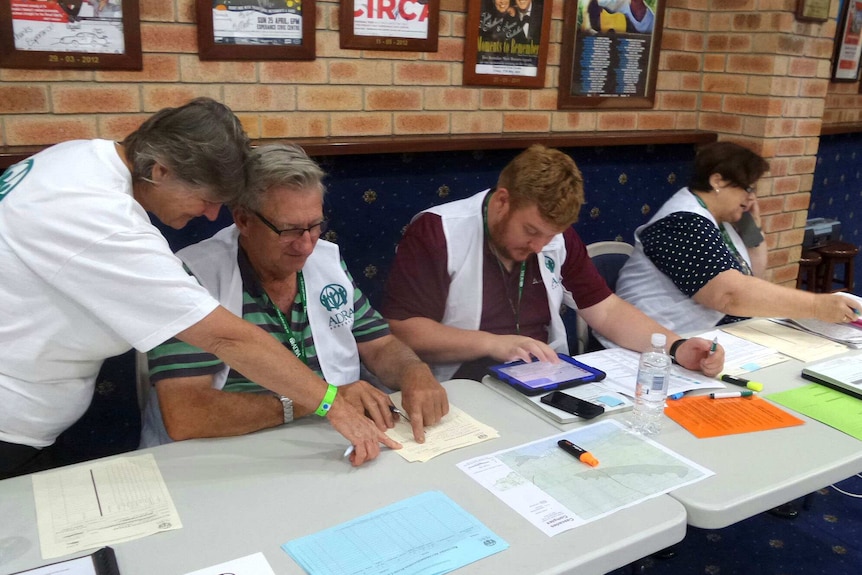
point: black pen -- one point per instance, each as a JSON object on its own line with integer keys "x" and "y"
{"x": 752, "y": 385}
{"x": 580, "y": 454}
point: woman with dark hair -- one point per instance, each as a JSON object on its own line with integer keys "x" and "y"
{"x": 699, "y": 261}
{"x": 86, "y": 276}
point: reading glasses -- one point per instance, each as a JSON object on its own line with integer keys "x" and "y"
{"x": 293, "y": 234}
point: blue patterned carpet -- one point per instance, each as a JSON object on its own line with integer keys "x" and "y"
{"x": 825, "y": 539}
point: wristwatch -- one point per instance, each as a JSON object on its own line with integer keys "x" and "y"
{"x": 287, "y": 406}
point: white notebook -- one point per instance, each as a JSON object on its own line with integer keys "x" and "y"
{"x": 592, "y": 392}
{"x": 841, "y": 373}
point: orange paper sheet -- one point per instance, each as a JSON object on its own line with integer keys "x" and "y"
{"x": 707, "y": 417}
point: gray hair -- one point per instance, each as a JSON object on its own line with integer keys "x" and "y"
{"x": 278, "y": 165}
{"x": 201, "y": 142}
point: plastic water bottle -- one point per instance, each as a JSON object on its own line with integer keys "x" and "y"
{"x": 651, "y": 387}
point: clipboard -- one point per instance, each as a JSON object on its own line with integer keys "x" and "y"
{"x": 100, "y": 562}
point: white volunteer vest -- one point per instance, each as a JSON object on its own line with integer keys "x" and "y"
{"x": 464, "y": 231}
{"x": 645, "y": 286}
{"x": 329, "y": 294}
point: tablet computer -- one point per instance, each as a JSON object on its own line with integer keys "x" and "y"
{"x": 538, "y": 377}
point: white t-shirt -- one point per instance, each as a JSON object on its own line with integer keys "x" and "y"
{"x": 85, "y": 276}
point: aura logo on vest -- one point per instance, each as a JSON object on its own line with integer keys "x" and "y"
{"x": 13, "y": 176}
{"x": 333, "y": 297}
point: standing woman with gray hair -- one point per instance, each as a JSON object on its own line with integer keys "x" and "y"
{"x": 86, "y": 276}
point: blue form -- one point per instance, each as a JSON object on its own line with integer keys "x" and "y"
{"x": 427, "y": 534}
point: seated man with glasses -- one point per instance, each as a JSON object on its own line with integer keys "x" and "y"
{"x": 272, "y": 269}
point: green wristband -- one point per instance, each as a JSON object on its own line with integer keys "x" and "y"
{"x": 326, "y": 403}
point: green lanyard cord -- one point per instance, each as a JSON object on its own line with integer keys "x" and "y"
{"x": 746, "y": 269}
{"x": 298, "y": 346}
{"x": 516, "y": 309}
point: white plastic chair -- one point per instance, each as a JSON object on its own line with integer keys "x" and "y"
{"x": 608, "y": 257}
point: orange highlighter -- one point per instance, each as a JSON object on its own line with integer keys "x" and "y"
{"x": 580, "y": 454}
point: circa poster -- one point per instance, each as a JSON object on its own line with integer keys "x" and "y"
{"x": 391, "y": 18}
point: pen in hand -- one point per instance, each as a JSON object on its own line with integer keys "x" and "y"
{"x": 714, "y": 345}
{"x": 395, "y": 411}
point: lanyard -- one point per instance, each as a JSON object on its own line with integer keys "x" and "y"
{"x": 298, "y": 346}
{"x": 516, "y": 309}
{"x": 746, "y": 269}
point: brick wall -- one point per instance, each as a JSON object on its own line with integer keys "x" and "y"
{"x": 743, "y": 68}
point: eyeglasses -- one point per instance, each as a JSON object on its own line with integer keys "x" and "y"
{"x": 293, "y": 234}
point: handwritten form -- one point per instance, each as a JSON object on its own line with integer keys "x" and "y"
{"x": 621, "y": 367}
{"x": 455, "y": 430}
{"x": 423, "y": 535}
{"x": 101, "y": 503}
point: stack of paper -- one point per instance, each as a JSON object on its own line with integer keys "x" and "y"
{"x": 847, "y": 334}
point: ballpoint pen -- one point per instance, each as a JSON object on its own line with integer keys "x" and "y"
{"x": 752, "y": 385}
{"x": 714, "y": 345}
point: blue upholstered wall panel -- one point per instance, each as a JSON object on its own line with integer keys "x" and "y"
{"x": 837, "y": 189}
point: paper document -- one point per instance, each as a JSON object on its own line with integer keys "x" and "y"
{"x": 707, "y": 417}
{"x": 621, "y": 365}
{"x": 455, "y": 430}
{"x": 101, "y": 502}
{"x": 426, "y": 534}
{"x": 845, "y": 334}
{"x": 556, "y": 492}
{"x": 829, "y": 406}
{"x": 797, "y": 344}
{"x": 249, "y": 565}
{"x": 741, "y": 355}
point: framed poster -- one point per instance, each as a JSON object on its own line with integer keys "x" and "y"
{"x": 411, "y": 25}
{"x": 256, "y": 29}
{"x": 610, "y": 53}
{"x": 812, "y": 10}
{"x": 91, "y": 34}
{"x": 848, "y": 49}
{"x": 507, "y": 43}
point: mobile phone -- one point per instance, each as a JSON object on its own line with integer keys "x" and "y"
{"x": 748, "y": 231}
{"x": 573, "y": 405}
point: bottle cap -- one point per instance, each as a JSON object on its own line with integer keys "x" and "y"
{"x": 658, "y": 339}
